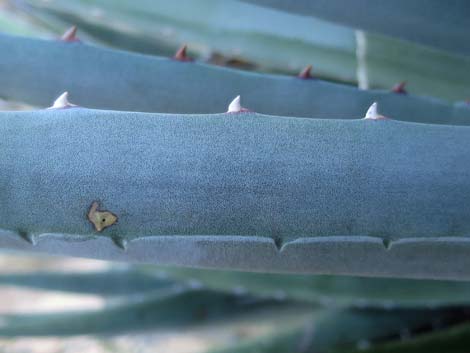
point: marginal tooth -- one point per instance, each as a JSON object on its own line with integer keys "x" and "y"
{"x": 120, "y": 242}
{"x": 181, "y": 55}
{"x": 62, "y": 102}
{"x": 372, "y": 111}
{"x": 373, "y": 114}
{"x": 70, "y": 35}
{"x": 30, "y": 238}
{"x": 305, "y": 73}
{"x": 235, "y": 106}
{"x": 400, "y": 88}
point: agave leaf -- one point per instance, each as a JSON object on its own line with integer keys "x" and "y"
{"x": 330, "y": 290}
{"x": 16, "y": 18}
{"x": 125, "y": 81}
{"x": 326, "y": 290}
{"x": 176, "y": 308}
{"x": 108, "y": 283}
{"x": 238, "y": 191}
{"x": 428, "y": 70}
{"x": 434, "y": 23}
{"x": 343, "y": 330}
{"x": 452, "y": 340}
{"x": 249, "y": 32}
{"x": 230, "y": 28}
{"x": 339, "y": 330}
{"x": 108, "y": 31}
{"x": 13, "y": 23}
{"x": 286, "y": 338}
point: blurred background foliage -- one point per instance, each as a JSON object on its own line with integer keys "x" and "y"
{"x": 55, "y": 304}
{"x": 52, "y": 304}
{"x": 249, "y": 37}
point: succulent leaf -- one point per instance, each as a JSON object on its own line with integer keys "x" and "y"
{"x": 419, "y": 21}
{"x": 303, "y": 201}
{"x": 343, "y": 331}
{"x": 451, "y": 340}
{"x": 105, "y": 283}
{"x": 249, "y": 32}
{"x": 115, "y": 75}
{"x": 175, "y": 308}
{"x": 330, "y": 291}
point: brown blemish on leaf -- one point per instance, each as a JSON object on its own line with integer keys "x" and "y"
{"x": 100, "y": 219}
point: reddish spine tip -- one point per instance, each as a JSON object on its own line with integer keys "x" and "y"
{"x": 181, "y": 55}
{"x": 400, "y": 88}
{"x": 306, "y": 73}
{"x": 70, "y": 35}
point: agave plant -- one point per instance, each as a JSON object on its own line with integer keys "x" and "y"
{"x": 234, "y": 187}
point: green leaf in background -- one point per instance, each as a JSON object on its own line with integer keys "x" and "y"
{"x": 173, "y": 308}
{"x": 230, "y": 28}
{"x": 124, "y": 81}
{"x": 240, "y": 30}
{"x": 428, "y": 70}
{"x": 108, "y": 283}
{"x": 440, "y": 24}
{"x": 329, "y": 290}
{"x": 452, "y": 340}
{"x": 16, "y": 19}
{"x": 344, "y": 330}
{"x": 12, "y": 22}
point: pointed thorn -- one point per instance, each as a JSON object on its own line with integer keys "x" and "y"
{"x": 181, "y": 55}
{"x": 306, "y": 73}
{"x": 70, "y": 35}
{"x": 235, "y": 106}
{"x": 30, "y": 238}
{"x": 120, "y": 242}
{"x": 278, "y": 242}
{"x": 400, "y": 88}
{"x": 386, "y": 243}
{"x": 62, "y": 102}
{"x": 373, "y": 114}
